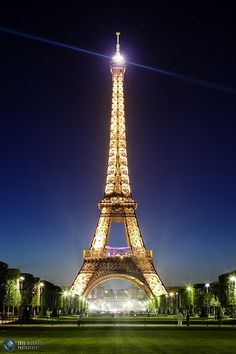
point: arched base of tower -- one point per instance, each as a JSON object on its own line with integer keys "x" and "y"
{"x": 135, "y": 268}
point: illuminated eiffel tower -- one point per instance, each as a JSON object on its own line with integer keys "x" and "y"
{"x": 133, "y": 262}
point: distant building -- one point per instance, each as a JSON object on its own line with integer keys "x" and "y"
{"x": 103, "y": 299}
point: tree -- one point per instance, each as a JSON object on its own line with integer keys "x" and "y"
{"x": 203, "y": 312}
{"x": 3, "y": 280}
{"x": 36, "y": 295}
{"x": 227, "y": 291}
{"x": 152, "y": 305}
{"x": 26, "y": 290}
{"x": 58, "y": 297}
{"x": 12, "y": 295}
{"x": 163, "y": 303}
{"x": 223, "y": 290}
{"x": 50, "y": 297}
{"x": 214, "y": 302}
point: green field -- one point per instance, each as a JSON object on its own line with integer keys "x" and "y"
{"x": 142, "y": 320}
{"x": 119, "y": 340}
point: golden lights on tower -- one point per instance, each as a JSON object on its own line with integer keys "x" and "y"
{"x": 118, "y": 58}
{"x": 101, "y": 262}
{"x": 117, "y": 181}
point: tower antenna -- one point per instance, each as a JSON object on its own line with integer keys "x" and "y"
{"x": 117, "y": 42}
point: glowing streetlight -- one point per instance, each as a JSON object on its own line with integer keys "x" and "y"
{"x": 190, "y": 291}
{"x": 65, "y": 293}
{"x": 207, "y": 285}
{"x": 177, "y": 301}
{"x": 171, "y": 303}
{"x": 21, "y": 279}
{"x": 233, "y": 280}
{"x": 41, "y": 285}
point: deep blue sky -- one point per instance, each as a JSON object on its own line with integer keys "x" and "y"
{"x": 55, "y": 113}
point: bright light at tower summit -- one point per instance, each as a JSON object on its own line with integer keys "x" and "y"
{"x": 118, "y": 58}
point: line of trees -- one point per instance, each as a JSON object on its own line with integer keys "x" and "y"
{"x": 23, "y": 295}
{"x": 201, "y": 299}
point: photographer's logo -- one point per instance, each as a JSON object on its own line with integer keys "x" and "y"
{"x": 8, "y": 345}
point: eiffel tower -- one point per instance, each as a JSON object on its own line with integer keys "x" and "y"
{"x": 102, "y": 262}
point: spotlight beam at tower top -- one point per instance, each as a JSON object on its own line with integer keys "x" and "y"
{"x": 52, "y": 42}
{"x": 74, "y": 48}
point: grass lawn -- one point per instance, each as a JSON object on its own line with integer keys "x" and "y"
{"x": 171, "y": 319}
{"x": 119, "y": 340}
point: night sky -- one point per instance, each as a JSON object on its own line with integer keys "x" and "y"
{"x": 181, "y": 136}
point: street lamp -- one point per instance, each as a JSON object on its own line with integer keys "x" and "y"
{"x": 177, "y": 301}
{"x": 73, "y": 303}
{"x": 21, "y": 281}
{"x": 233, "y": 280}
{"x": 191, "y": 297}
{"x": 207, "y": 285}
{"x": 166, "y": 307}
{"x": 41, "y": 285}
{"x": 171, "y": 294}
{"x": 65, "y": 294}
{"x": 82, "y": 303}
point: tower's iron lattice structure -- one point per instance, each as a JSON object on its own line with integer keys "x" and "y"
{"x": 102, "y": 262}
